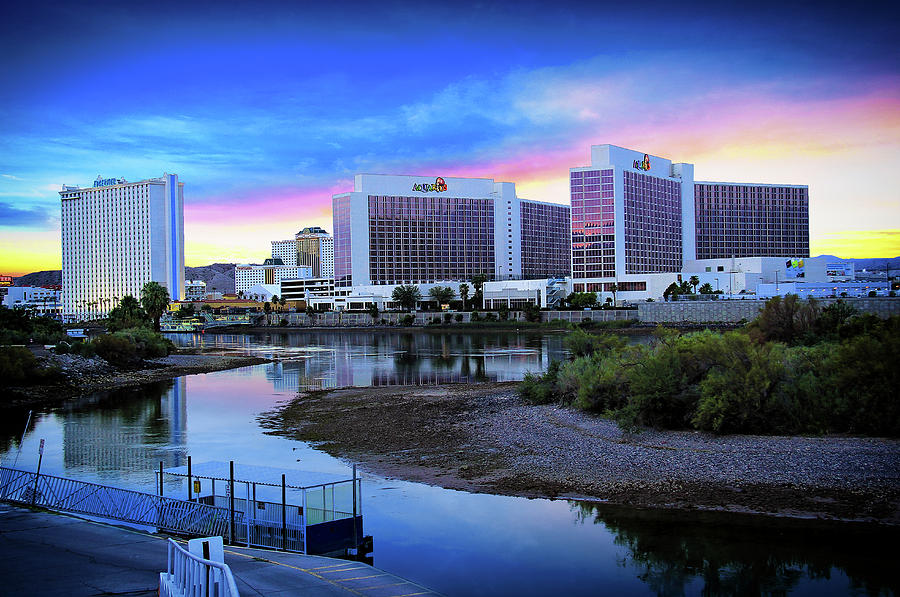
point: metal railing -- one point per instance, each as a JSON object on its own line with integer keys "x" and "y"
{"x": 283, "y": 526}
{"x": 188, "y": 575}
{"x": 69, "y": 495}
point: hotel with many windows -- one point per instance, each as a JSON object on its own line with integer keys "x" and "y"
{"x": 116, "y": 237}
{"x": 423, "y": 229}
{"x": 639, "y": 220}
{"x": 311, "y": 247}
{"x": 744, "y": 219}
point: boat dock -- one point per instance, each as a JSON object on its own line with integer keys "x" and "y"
{"x": 44, "y": 553}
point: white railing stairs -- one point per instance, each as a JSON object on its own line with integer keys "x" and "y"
{"x": 199, "y": 571}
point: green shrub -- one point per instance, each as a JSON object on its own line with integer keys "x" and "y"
{"x": 130, "y": 347}
{"x": 581, "y": 343}
{"x": 407, "y": 319}
{"x": 448, "y": 317}
{"x": 532, "y": 313}
{"x": 540, "y": 389}
{"x": 861, "y": 376}
{"x": 732, "y": 383}
{"x": 595, "y": 383}
{"x": 475, "y": 316}
{"x": 490, "y": 317}
{"x": 18, "y": 365}
{"x": 20, "y": 326}
{"x": 458, "y": 317}
{"x": 740, "y": 394}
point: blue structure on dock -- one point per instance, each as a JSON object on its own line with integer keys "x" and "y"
{"x": 305, "y": 512}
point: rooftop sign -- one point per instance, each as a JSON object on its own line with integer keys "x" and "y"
{"x": 439, "y": 186}
{"x": 642, "y": 165}
{"x": 105, "y": 182}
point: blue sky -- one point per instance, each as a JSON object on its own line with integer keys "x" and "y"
{"x": 266, "y": 109}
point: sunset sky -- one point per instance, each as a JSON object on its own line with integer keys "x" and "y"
{"x": 264, "y": 110}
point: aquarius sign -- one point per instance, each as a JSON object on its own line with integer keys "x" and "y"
{"x": 439, "y": 186}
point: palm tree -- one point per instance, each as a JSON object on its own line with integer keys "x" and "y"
{"x": 464, "y": 293}
{"x": 406, "y": 295}
{"x": 706, "y": 288}
{"x": 614, "y": 289}
{"x": 694, "y": 281}
{"x": 478, "y": 281}
{"x": 275, "y": 300}
{"x": 155, "y": 299}
{"x": 442, "y": 294}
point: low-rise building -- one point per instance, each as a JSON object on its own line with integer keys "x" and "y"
{"x": 272, "y": 271}
{"x": 39, "y": 299}
{"x": 298, "y": 290}
{"x": 823, "y": 289}
{"x": 194, "y": 290}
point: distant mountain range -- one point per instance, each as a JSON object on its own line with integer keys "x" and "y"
{"x": 219, "y": 277}
{"x": 872, "y": 264}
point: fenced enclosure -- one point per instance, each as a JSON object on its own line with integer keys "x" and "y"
{"x": 80, "y": 497}
{"x": 289, "y": 510}
{"x": 302, "y": 512}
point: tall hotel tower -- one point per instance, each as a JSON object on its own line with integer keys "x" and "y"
{"x": 116, "y": 237}
{"x": 421, "y": 229}
{"x": 632, "y": 213}
{"x": 312, "y": 247}
{"x": 635, "y": 214}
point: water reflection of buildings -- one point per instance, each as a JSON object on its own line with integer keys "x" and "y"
{"x": 325, "y": 359}
{"x": 132, "y": 430}
{"x": 318, "y": 361}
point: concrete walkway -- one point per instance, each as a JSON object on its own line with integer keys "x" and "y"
{"x": 45, "y": 553}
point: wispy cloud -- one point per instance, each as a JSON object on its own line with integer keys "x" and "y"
{"x": 27, "y": 218}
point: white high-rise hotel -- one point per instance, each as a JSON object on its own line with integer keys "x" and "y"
{"x": 116, "y": 237}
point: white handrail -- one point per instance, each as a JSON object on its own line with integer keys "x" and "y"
{"x": 188, "y": 575}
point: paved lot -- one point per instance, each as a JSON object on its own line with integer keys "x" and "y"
{"x": 44, "y": 553}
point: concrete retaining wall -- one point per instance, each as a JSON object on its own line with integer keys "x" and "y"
{"x": 735, "y": 310}
{"x": 719, "y": 311}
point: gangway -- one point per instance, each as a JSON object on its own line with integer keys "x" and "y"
{"x": 70, "y": 495}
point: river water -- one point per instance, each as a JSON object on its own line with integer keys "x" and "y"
{"x": 454, "y": 542}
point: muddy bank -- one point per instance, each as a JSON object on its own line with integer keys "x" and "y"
{"x": 484, "y": 438}
{"x": 80, "y": 375}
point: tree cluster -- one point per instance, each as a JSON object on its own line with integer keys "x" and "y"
{"x": 797, "y": 369}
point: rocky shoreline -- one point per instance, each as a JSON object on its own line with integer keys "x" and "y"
{"x": 81, "y": 375}
{"x": 484, "y": 438}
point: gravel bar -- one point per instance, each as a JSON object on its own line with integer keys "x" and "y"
{"x": 482, "y": 437}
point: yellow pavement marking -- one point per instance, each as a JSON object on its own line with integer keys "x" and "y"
{"x": 395, "y": 584}
{"x": 308, "y": 571}
{"x": 329, "y": 566}
{"x": 361, "y": 577}
{"x": 338, "y": 581}
{"x": 343, "y": 569}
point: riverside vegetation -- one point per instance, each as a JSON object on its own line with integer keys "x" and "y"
{"x": 130, "y": 340}
{"x": 797, "y": 368}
